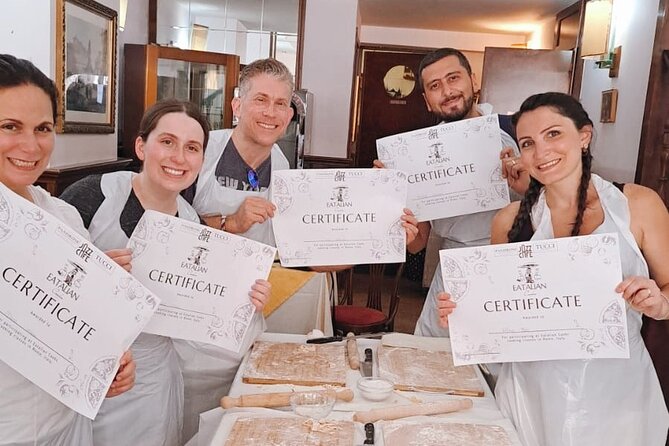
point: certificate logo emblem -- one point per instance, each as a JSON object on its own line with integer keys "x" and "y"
{"x": 340, "y": 198}
{"x": 198, "y": 255}
{"x": 72, "y": 274}
{"x": 529, "y": 279}
{"x": 437, "y": 154}
{"x": 525, "y": 251}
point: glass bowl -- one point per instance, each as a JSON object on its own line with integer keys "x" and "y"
{"x": 375, "y": 389}
{"x": 316, "y": 405}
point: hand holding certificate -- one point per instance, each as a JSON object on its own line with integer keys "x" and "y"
{"x": 452, "y": 169}
{"x": 339, "y": 217}
{"x": 539, "y": 300}
{"x": 67, "y": 311}
{"x": 202, "y": 275}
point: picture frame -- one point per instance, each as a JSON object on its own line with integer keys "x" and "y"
{"x": 609, "y": 105}
{"x": 85, "y": 67}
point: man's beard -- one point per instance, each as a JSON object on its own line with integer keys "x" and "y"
{"x": 457, "y": 115}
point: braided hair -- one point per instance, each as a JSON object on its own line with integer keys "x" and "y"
{"x": 570, "y": 108}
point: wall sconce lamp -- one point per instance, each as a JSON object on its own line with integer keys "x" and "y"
{"x": 596, "y": 35}
{"x": 122, "y": 11}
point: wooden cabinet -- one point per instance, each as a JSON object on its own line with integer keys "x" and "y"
{"x": 153, "y": 72}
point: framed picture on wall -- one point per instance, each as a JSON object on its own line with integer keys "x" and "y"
{"x": 609, "y": 105}
{"x": 85, "y": 67}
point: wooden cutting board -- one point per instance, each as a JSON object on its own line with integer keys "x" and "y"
{"x": 300, "y": 364}
{"x": 439, "y": 434}
{"x": 416, "y": 369}
{"x": 264, "y": 431}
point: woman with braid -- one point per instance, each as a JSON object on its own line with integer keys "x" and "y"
{"x": 596, "y": 401}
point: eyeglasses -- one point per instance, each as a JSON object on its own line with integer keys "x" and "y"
{"x": 252, "y": 176}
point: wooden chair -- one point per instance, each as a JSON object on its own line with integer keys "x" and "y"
{"x": 369, "y": 318}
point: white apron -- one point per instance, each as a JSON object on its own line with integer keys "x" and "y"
{"x": 151, "y": 412}
{"x": 457, "y": 232}
{"x": 211, "y": 197}
{"x": 28, "y": 415}
{"x": 589, "y": 402}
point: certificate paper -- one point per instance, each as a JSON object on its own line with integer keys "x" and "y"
{"x": 452, "y": 169}
{"x": 202, "y": 275}
{"x": 67, "y": 311}
{"x": 339, "y": 217}
{"x": 540, "y": 300}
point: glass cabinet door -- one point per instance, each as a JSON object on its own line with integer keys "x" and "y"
{"x": 200, "y": 83}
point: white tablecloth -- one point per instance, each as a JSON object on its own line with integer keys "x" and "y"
{"x": 216, "y": 423}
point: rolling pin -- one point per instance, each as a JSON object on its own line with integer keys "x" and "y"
{"x": 410, "y": 410}
{"x": 352, "y": 352}
{"x": 278, "y": 399}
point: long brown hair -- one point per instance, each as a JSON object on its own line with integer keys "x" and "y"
{"x": 570, "y": 108}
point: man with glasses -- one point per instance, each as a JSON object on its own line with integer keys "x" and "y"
{"x": 232, "y": 191}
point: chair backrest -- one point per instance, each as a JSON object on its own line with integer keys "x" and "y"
{"x": 378, "y": 286}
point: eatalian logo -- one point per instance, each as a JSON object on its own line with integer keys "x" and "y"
{"x": 529, "y": 278}
{"x": 339, "y": 198}
{"x": 437, "y": 154}
{"x": 67, "y": 280}
{"x": 196, "y": 259}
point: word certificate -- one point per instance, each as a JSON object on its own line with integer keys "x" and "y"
{"x": 452, "y": 169}
{"x": 339, "y": 217}
{"x": 538, "y": 300}
{"x": 202, "y": 275}
{"x": 67, "y": 312}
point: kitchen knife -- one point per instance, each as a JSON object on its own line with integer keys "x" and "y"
{"x": 329, "y": 339}
{"x": 369, "y": 433}
{"x": 366, "y": 366}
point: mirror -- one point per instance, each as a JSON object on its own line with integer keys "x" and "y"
{"x": 252, "y": 29}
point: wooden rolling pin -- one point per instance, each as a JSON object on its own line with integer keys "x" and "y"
{"x": 278, "y": 399}
{"x": 410, "y": 410}
{"x": 352, "y": 351}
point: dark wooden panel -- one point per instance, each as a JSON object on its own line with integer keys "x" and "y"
{"x": 56, "y": 180}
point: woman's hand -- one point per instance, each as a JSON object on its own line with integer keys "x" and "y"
{"x": 125, "y": 376}
{"x": 121, "y": 256}
{"x": 517, "y": 177}
{"x": 378, "y": 164}
{"x": 260, "y": 294}
{"x": 410, "y": 224}
{"x": 445, "y": 307}
{"x": 645, "y": 296}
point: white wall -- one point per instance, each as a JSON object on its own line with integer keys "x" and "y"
{"x": 616, "y": 144}
{"x": 327, "y": 71}
{"x": 427, "y": 38}
{"x": 27, "y": 31}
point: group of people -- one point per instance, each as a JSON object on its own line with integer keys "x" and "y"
{"x": 223, "y": 178}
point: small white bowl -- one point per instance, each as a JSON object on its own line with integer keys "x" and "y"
{"x": 375, "y": 389}
{"x": 316, "y": 405}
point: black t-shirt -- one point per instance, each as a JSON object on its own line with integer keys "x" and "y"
{"x": 233, "y": 172}
{"x": 86, "y": 195}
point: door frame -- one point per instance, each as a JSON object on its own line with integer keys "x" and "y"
{"x": 653, "y": 149}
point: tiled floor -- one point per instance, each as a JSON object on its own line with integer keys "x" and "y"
{"x": 412, "y": 296}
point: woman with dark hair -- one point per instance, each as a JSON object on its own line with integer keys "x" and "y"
{"x": 596, "y": 401}
{"x": 29, "y": 415}
{"x": 172, "y": 137}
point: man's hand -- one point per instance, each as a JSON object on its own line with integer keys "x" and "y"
{"x": 378, "y": 164}
{"x": 125, "y": 376}
{"x": 253, "y": 210}
{"x": 122, "y": 257}
{"x": 517, "y": 176}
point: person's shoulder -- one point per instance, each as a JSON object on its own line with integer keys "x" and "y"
{"x": 642, "y": 198}
{"x": 84, "y": 186}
